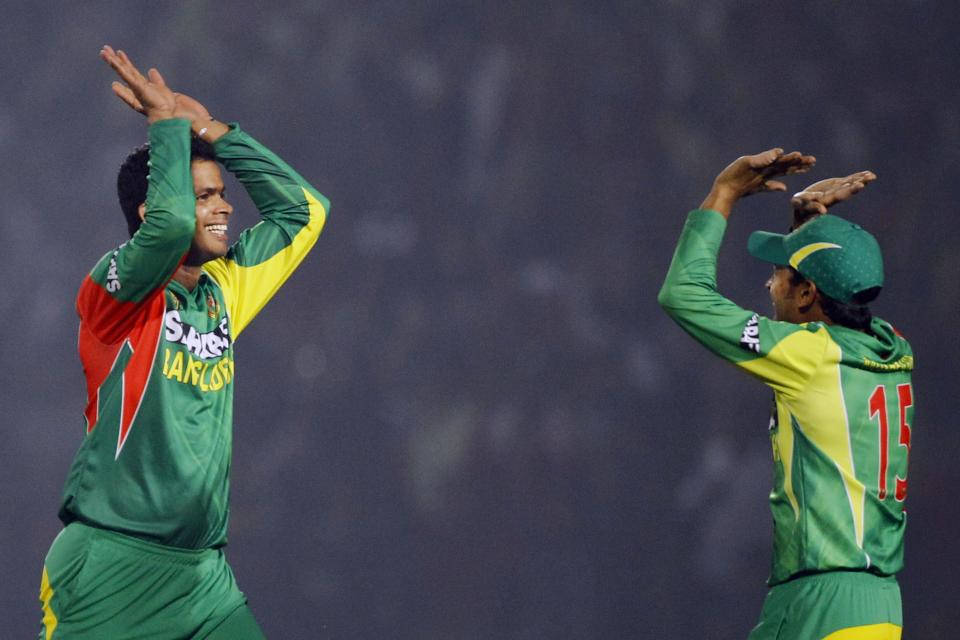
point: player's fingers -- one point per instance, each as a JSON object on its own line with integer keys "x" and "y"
{"x": 809, "y": 202}
{"x": 797, "y": 159}
{"x": 126, "y": 72}
{"x": 111, "y": 58}
{"x": 764, "y": 158}
{"x": 793, "y": 162}
{"x": 130, "y": 69}
{"x": 852, "y": 187}
{"x": 844, "y": 192}
{"x": 155, "y": 77}
{"x": 774, "y": 185}
{"x": 802, "y": 197}
{"x": 107, "y": 52}
{"x": 125, "y": 94}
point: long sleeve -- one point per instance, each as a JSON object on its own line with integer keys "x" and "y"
{"x": 293, "y": 214}
{"x": 782, "y": 354}
{"x": 126, "y": 278}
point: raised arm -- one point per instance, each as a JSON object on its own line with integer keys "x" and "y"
{"x": 782, "y": 354}
{"x": 293, "y": 211}
{"x": 293, "y": 214}
{"x": 125, "y": 278}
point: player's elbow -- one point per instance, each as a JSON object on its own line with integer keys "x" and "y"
{"x": 183, "y": 226}
{"x": 171, "y": 220}
{"x": 667, "y": 298}
{"x": 678, "y": 299}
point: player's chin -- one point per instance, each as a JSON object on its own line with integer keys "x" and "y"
{"x": 209, "y": 251}
{"x": 216, "y": 247}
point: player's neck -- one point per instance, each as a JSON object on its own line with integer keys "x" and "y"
{"x": 188, "y": 276}
{"x": 815, "y": 314}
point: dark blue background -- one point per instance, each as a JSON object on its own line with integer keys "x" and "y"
{"x": 465, "y": 416}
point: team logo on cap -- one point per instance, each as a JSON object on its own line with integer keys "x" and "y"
{"x": 804, "y": 252}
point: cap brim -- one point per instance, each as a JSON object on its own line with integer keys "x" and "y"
{"x": 768, "y": 247}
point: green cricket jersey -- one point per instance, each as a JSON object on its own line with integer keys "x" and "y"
{"x": 158, "y": 359}
{"x": 841, "y": 426}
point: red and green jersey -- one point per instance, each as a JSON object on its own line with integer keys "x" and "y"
{"x": 158, "y": 359}
{"x": 842, "y": 422}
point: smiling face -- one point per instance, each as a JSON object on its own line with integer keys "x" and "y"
{"x": 210, "y": 239}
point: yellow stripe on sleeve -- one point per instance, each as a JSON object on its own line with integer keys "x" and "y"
{"x": 247, "y": 289}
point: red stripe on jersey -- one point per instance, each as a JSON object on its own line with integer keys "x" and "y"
{"x": 107, "y": 318}
{"x": 99, "y": 359}
{"x": 144, "y": 340}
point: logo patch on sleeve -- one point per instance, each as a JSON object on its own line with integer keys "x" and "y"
{"x": 750, "y": 338}
{"x": 113, "y": 278}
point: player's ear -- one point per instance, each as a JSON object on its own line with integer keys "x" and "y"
{"x": 142, "y": 211}
{"x": 806, "y": 294}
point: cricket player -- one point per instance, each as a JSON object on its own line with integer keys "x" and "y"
{"x": 843, "y": 415}
{"x": 145, "y": 506}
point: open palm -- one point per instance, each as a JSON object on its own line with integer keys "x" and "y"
{"x": 148, "y": 94}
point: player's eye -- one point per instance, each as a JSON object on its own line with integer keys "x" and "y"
{"x": 203, "y": 196}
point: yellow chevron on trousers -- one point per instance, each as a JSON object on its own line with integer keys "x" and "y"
{"x": 883, "y": 631}
{"x": 46, "y": 595}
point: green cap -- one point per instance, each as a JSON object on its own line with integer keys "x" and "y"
{"x": 840, "y": 257}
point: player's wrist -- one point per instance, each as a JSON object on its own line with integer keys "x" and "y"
{"x": 209, "y": 129}
{"x": 721, "y": 199}
{"x": 156, "y": 115}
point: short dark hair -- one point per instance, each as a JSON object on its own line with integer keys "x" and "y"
{"x": 854, "y": 315}
{"x": 132, "y": 178}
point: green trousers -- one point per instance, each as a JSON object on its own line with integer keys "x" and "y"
{"x": 835, "y": 605}
{"x": 100, "y": 584}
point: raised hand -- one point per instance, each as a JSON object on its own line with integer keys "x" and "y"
{"x": 820, "y": 196}
{"x": 184, "y": 106}
{"x": 148, "y": 94}
{"x": 752, "y": 174}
